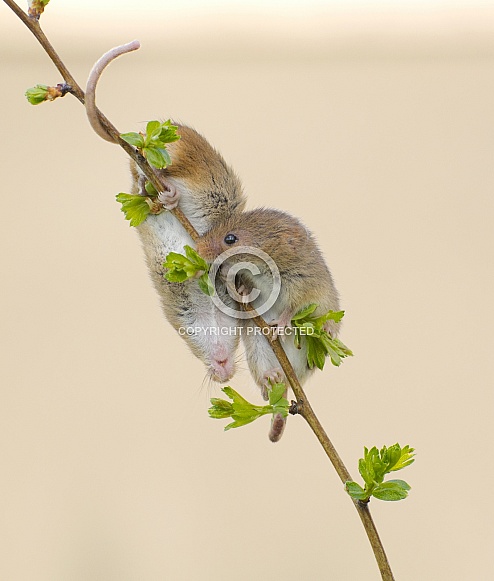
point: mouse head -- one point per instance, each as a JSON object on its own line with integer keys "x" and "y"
{"x": 210, "y": 332}
{"x": 268, "y": 230}
{"x": 226, "y": 235}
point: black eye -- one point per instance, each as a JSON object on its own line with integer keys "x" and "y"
{"x": 230, "y": 239}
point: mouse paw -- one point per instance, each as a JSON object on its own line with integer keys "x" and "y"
{"x": 240, "y": 293}
{"x": 279, "y": 325}
{"x": 243, "y": 294}
{"x": 170, "y": 197}
{"x": 270, "y": 377}
{"x": 329, "y": 328}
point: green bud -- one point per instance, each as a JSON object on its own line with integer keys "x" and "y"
{"x": 37, "y": 94}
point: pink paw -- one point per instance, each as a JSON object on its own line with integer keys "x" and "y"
{"x": 279, "y": 325}
{"x": 269, "y": 378}
{"x": 169, "y": 198}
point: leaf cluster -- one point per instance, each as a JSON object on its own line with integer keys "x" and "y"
{"x": 243, "y": 412}
{"x": 181, "y": 268}
{"x": 136, "y": 208}
{"x": 320, "y": 344}
{"x": 152, "y": 143}
{"x": 40, "y": 93}
{"x": 374, "y": 466}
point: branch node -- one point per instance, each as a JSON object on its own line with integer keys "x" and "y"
{"x": 293, "y": 409}
{"x": 64, "y": 88}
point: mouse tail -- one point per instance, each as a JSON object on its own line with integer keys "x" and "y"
{"x": 92, "y": 112}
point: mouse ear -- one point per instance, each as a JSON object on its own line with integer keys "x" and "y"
{"x": 230, "y": 239}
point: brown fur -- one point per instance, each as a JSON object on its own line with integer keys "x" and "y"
{"x": 305, "y": 277}
{"x": 217, "y": 191}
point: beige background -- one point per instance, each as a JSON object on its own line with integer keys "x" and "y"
{"x": 376, "y": 128}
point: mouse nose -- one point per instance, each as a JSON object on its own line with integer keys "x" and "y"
{"x": 222, "y": 369}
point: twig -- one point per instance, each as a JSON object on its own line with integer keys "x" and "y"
{"x": 303, "y": 407}
{"x": 108, "y": 127}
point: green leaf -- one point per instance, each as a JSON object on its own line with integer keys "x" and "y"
{"x": 377, "y": 463}
{"x": 135, "y": 139}
{"x": 241, "y": 421}
{"x": 235, "y": 396}
{"x": 405, "y": 458}
{"x": 135, "y": 208}
{"x": 169, "y": 132}
{"x": 278, "y": 400}
{"x": 175, "y": 263}
{"x": 220, "y": 408}
{"x": 180, "y": 268}
{"x": 150, "y": 189}
{"x": 316, "y": 352}
{"x": 153, "y": 130}
{"x": 276, "y": 393}
{"x": 153, "y": 144}
{"x": 333, "y": 353}
{"x": 341, "y": 348}
{"x": 176, "y": 275}
{"x": 355, "y": 490}
{"x": 37, "y": 94}
{"x": 305, "y": 312}
{"x": 335, "y": 316}
{"x": 154, "y": 157}
{"x": 205, "y": 285}
{"x": 166, "y": 156}
{"x": 243, "y": 412}
{"x": 319, "y": 342}
{"x": 391, "y": 490}
{"x": 366, "y": 472}
{"x": 195, "y": 258}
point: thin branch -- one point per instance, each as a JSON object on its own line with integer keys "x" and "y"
{"x": 305, "y": 410}
{"x": 35, "y": 28}
{"x": 107, "y": 126}
{"x": 303, "y": 406}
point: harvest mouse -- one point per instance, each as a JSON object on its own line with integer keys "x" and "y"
{"x": 305, "y": 279}
{"x": 207, "y": 190}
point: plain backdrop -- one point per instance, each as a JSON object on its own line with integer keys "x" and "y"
{"x": 373, "y": 124}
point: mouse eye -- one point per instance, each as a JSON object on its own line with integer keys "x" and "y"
{"x": 230, "y": 239}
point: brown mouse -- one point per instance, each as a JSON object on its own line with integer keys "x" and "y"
{"x": 304, "y": 275}
{"x": 207, "y": 190}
